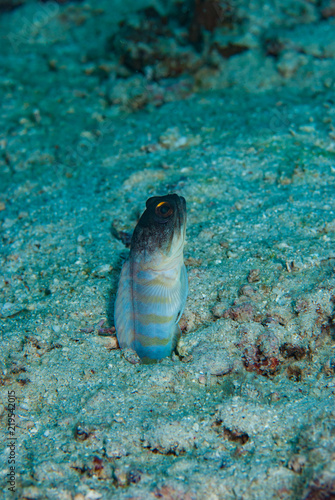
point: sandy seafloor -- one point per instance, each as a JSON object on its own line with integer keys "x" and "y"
{"x": 247, "y": 409}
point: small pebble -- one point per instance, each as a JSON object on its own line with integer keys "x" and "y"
{"x": 131, "y": 356}
{"x": 274, "y": 396}
{"x": 102, "y": 271}
{"x": 32, "y": 493}
{"x": 246, "y": 290}
{"x": 121, "y": 477}
{"x": 109, "y": 343}
{"x": 297, "y": 463}
{"x": 93, "y": 495}
{"x": 253, "y": 275}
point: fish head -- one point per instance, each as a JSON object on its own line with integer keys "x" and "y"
{"x": 161, "y": 227}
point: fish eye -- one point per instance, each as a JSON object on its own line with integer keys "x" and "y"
{"x": 164, "y": 209}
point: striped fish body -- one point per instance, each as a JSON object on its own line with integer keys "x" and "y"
{"x": 153, "y": 283}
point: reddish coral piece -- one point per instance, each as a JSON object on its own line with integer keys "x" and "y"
{"x": 255, "y": 361}
{"x": 243, "y": 312}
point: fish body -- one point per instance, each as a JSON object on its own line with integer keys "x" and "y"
{"x": 153, "y": 283}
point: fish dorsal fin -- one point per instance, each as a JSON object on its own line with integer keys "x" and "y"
{"x": 161, "y": 294}
{"x": 123, "y": 313}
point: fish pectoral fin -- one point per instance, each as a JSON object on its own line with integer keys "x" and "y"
{"x": 184, "y": 291}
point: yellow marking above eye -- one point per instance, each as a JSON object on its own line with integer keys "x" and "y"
{"x": 164, "y": 209}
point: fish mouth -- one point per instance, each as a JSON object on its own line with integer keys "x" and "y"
{"x": 175, "y": 243}
{"x": 180, "y": 221}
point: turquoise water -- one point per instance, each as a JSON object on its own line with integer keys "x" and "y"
{"x": 234, "y": 110}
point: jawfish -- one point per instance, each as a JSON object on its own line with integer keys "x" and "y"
{"x": 153, "y": 284}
